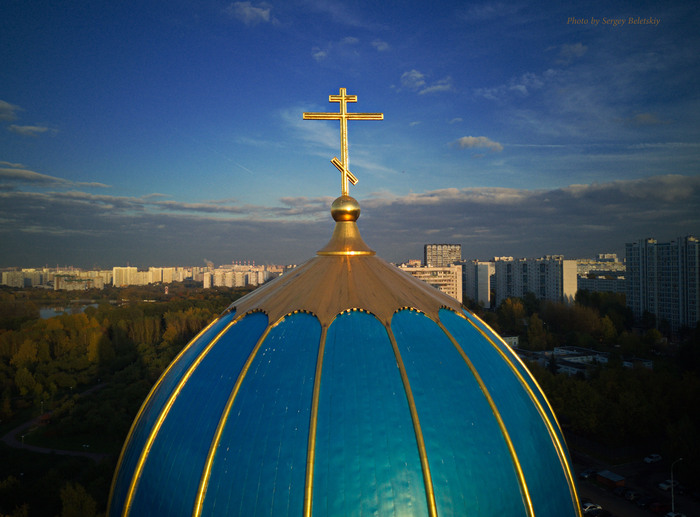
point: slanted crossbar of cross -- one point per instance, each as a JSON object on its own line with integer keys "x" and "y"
{"x": 342, "y": 165}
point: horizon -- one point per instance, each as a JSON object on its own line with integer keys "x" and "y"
{"x": 172, "y": 133}
{"x": 252, "y": 263}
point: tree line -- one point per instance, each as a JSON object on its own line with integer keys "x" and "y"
{"x": 115, "y": 350}
{"x": 634, "y": 410}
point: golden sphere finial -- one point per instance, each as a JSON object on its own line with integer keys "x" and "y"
{"x": 345, "y": 208}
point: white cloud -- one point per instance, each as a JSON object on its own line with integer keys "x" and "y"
{"x": 315, "y": 133}
{"x": 341, "y": 13}
{"x": 569, "y": 53}
{"x": 443, "y": 85}
{"x": 10, "y": 164}
{"x": 29, "y": 130}
{"x": 470, "y": 142}
{"x": 381, "y": 46}
{"x": 666, "y": 145}
{"x": 319, "y": 54}
{"x": 27, "y": 176}
{"x": 413, "y": 80}
{"x": 489, "y": 11}
{"x": 16, "y": 173}
{"x": 416, "y": 81}
{"x": 199, "y": 207}
{"x": 8, "y": 111}
{"x": 248, "y": 13}
{"x": 524, "y": 85}
{"x": 342, "y": 46}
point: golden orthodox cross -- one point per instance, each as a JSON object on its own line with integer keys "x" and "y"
{"x": 343, "y": 116}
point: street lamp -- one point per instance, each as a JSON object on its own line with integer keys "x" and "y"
{"x": 673, "y": 500}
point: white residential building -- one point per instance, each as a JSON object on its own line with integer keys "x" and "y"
{"x": 476, "y": 281}
{"x": 447, "y": 279}
{"x": 548, "y": 278}
{"x": 441, "y": 255}
{"x": 123, "y": 276}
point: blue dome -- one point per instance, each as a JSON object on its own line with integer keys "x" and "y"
{"x": 345, "y": 387}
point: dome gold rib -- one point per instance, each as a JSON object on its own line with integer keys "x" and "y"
{"x": 559, "y": 447}
{"x": 524, "y": 490}
{"x": 313, "y": 425}
{"x": 420, "y": 441}
{"x": 136, "y": 477}
{"x": 145, "y": 404}
{"x": 206, "y": 472}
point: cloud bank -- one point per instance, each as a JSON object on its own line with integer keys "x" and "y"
{"x": 84, "y": 229}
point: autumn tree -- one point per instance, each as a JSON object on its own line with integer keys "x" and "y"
{"x": 511, "y": 314}
{"x": 76, "y": 502}
{"x": 536, "y": 334}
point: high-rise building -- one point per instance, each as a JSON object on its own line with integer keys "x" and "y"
{"x": 663, "y": 278}
{"x": 476, "y": 281}
{"x": 447, "y": 279}
{"x": 123, "y": 276}
{"x": 549, "y": 278}
{"x": 441, "y": 255}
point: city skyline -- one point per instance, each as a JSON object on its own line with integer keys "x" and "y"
{"x": 173, "y": 133}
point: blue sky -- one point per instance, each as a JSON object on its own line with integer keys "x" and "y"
{"x": 166, "y": 133}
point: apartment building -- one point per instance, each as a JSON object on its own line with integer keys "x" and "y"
{"x": 663, "y": 278}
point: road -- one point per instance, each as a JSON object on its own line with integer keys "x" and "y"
{"x": 13, "y": 437}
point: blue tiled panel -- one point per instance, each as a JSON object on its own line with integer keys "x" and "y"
{"x": 471, "y": 467}
{"x": 521, "y": 369}
{"x": 367, "y": 460}
{"x": 152, "y": 410}
{"x": 533, "y": 444}
{"x": 525, "y": 374}
{"x": 177, "y": 457}
{"x": 260, "y": 465}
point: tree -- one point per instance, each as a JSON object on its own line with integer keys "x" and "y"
{"x": 536, "y": 334}
{"x": 511, "y": 314}
{"x": 531, "y": 303}
{"x": 24, "y": 380}
{"x": 6, "y": 406}
{"x": 77, "y": 502}
{"x": 26, "y": 356}
{"x": 608, "y": 330}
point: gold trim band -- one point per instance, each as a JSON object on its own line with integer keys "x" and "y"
{"x": 425, "y": 466}
{"x": 204, "y": 481}
{"x": 548, "y": 424}
{"x": 313, "y": 423}
{"x": 145, "y": 403}
{"x": 525, "y": 492}
{"x": 164, "y": 413}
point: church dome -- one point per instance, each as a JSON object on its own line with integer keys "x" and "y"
{"x": 345, "y": 387}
